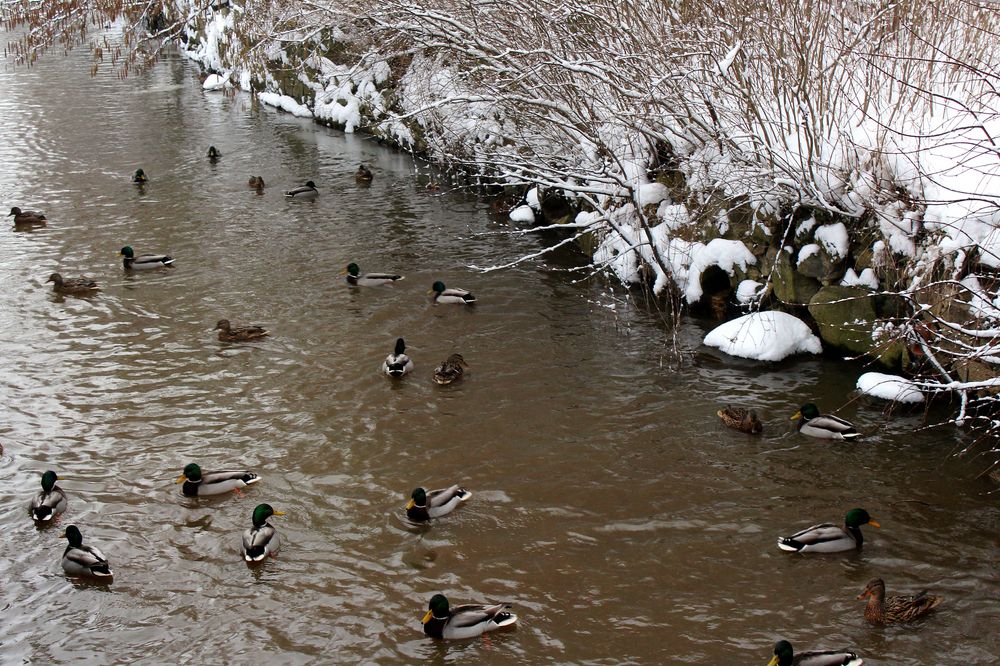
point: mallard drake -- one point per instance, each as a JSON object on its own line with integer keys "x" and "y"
{"x": 214, "y": 154}
{"x": 203, "y": 484}
{"x": 363, "y": 174}
{"x": 444, "y": 295}
{"x": 256, "y": 182}
{"x": 80, "y": 560}
{"x": 131, "y": 262}
{"x": 824, "y": 426}
{"x": 230, "y": 333}
{"x": 307, "y": 191}
{"x": 397, "y": 363}
{"x": 424, "y": 505}
{"x": 260, "y": 540}
{"x": 50, "y": 502}
{"x": 451, "y": 368}
{"x": 896, "y": 608}
{"x": 77, "y": 286}
{"x": 830, "y": 538}
{"x": 465, "y": 621}
{"x": 26, "y": 217}
{"x": 139, "y": 177}
{"x": 368, "y": 279}
{"x": 742, "y": 419}
{"x": 783, "y": 656}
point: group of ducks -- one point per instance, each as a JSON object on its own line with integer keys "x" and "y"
{"x": 441, "y": 620}
{"x": 831, "y": 538}
{"x": 261, "y": 539}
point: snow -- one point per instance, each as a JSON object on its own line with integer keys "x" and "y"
{"x": 764, "y": 336}
{"x": 285, "y": 103}
{"x": 833, "y": 237}
{"x": 216, "y": 82}
{"x": 726, "y": 254}
{"x": 523, "y": 214}
{"x": 889, "y": 387}
{"x": 748, "y": 291}
{"x": 532, "y": 198}
{"x": 807, "y": 251}
{"x": 866, "y": 279}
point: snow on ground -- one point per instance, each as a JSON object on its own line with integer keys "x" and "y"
{"x": 764, "y": 336}
{"x": 889, "y": 387}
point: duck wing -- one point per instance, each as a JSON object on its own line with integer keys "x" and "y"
{"x": 89, "y": 558}
{"x": 46, "y": 505}
{"x": 224, "y": 481}
{"x": 826, "y": 658}
{"x": 825, "y": 537}
{"x": 440, "y": 497}
{"x": 256, "y": 541}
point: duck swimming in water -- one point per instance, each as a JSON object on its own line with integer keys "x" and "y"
{"x": 465, "y": 621}
{"x": 307, "y": 191}
{"x": 132, "y": 262}
{"x": 830, "y": 538}
{"x": 823, "y": 426}
{"x": 27, "y": 217}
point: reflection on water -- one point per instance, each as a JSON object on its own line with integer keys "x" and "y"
{"x": 610, "y": 505}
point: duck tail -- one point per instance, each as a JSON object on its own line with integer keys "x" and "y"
{"x": 788, "y": 544}
{"x": 851, "y": 435}
{"x": 504, "y": 619}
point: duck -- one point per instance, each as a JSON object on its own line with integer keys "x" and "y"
{"x": 204, "y": 484}
{"x": 443, "y": 294}
{"x": 27, "y": 217}
{"x": 214, "y": 154}
{"x": 131, "y": 262}
{"x": 830, "y": 538}
{"x": 50, "y": 502}
{"x": 451, "y": 369}
{"x": 896, "y": 608}
{"x": 75, "y": 286}
{"x": 139, "y": 177}
{"x": 823, "y": 426}
{"x": 256, "y": 182}
{"x": 80, "y": 560}
{"x": 307, "y": 191}
{"x": 364, "y": 174}
{"x": 260, "y": 540}
{"x": 742, "y": 419}
{"x": 368, "y": 279}
{"x": 397, "y": 363}
{"x": 424, "y": 505}
{"x": 465, "y": 621}
{"x": 230, "y": 333}
{"x": 784, "y": 656}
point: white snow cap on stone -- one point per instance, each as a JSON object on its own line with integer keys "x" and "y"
{"x": 889, "y": 387}
{"x": 764, "y": 336}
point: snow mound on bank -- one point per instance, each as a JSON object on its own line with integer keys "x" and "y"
{"x": 285, "y": 103}
{"x": 889, "y": 387}
{"x": 764, "y": 336}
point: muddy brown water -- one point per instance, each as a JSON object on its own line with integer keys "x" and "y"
{"x": 611, "y": 508}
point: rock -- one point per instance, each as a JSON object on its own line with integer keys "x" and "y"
{"x": 790, "y": 286}
{"x": 846, "y": 317}
{"x": 821, "y": 266}
{"x": 556, "y": 209}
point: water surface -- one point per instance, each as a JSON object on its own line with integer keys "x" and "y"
{"x": 610, "y": 506}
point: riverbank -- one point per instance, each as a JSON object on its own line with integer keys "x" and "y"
{"x": 768, "y": 168}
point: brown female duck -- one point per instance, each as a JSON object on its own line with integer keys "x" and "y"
{"x": 896, "y": 608}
